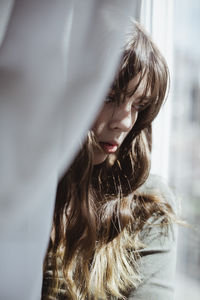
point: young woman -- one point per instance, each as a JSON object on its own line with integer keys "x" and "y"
{"x": 113, "y": 234}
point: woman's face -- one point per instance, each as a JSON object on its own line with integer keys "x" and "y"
{"x": 115, "y": 121}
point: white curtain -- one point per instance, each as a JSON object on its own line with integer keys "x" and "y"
{"x": 57, "y": 59}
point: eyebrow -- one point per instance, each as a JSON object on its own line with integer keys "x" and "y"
{"x": 139, "y": 92}
{"x": 136, "y": 93}
{"x": 133, "y": 90}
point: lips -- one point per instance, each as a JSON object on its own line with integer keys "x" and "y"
{"x": 109, "y": 147}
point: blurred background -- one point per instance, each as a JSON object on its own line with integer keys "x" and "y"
{"x": 174, "y": 25}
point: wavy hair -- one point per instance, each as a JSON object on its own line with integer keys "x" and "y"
{"x": 99, "y": 214}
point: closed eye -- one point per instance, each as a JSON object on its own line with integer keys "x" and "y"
{"x": 140, "y": 105}
{"x": 109, "y": 99}
{"x": 112, "y": 98}
{"x": 137, "y": 107}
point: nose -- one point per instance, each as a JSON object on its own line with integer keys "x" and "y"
{"x": 123, "y": 118}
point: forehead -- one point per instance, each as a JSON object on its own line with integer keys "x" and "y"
{"x": 138, "y": 86}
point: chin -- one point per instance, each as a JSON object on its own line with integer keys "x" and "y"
{"x": 99, "y": 159}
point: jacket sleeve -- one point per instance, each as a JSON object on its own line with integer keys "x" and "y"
{"x": 158, "y": 258}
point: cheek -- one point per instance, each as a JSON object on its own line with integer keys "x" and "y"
{"x": 100, "y": 122}
{"x": 134, "y": 117}
{"x": 98, "y": 127}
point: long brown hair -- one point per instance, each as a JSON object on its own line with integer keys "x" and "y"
{"x": 99, "y": 213}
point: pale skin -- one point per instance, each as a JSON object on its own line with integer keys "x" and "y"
{"x": 115, "y": 121}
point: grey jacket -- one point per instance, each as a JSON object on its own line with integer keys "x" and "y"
{"x": 158, "y": 259}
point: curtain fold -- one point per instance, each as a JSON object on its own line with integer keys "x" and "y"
{"x": 57, "y": 59}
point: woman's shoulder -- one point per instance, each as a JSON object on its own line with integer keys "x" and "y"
{"x": 160, "y": 228}
{"x": 156, "y": 185}
{"x": 158, "y": 254}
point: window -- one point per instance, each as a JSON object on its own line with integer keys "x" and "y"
{"x": 174, "y": 26}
